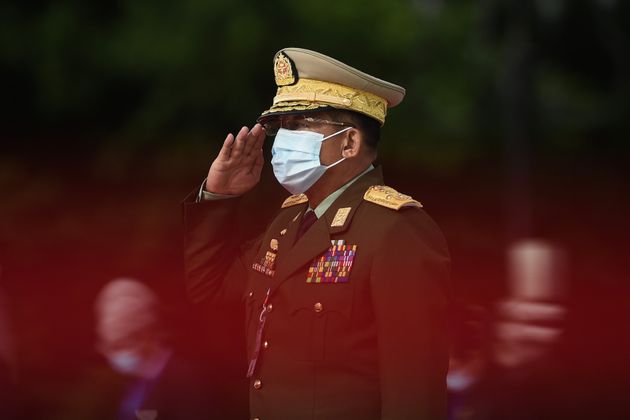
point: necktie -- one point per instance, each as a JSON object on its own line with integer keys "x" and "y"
{"x": 307, "y": 221}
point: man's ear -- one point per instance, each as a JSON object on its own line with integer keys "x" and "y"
{"x": 352, "y": 143}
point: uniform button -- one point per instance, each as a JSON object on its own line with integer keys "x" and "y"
{"x": 256, "y": 418}
{"x": 251, "y": 294}
{"x": 257, "y": 384}
{"x": 318, "y": 307}
{"x": 266, "y": 345}
{"x": 269, "y": 308}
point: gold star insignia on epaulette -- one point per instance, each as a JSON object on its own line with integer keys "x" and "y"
{"x": 389, "y": 197}
{"x": 294, "y": 200}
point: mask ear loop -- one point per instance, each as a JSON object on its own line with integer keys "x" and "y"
{"x": 338, "y": 132}
{"x": 342, "y": 158}
{"x": 336, "y": 163}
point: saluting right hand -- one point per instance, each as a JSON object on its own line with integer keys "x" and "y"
{"x": 237, "y": 168}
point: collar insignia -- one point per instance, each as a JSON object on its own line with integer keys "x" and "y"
{"x": 340, "y": 217}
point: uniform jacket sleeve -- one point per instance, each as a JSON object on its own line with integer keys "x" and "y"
{"x": 410, "y": 287}
{"x": 214, "y": 251}
{"x": 215, "y": 276}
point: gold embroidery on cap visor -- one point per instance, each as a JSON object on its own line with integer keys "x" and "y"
{"x": 309, "y": 94}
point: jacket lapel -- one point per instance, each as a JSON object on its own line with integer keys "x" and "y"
{"x": 288, "y": 239}
{"x": 316, "y": 240}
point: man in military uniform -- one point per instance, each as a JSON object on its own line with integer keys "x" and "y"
{"x": 345, "y": 294}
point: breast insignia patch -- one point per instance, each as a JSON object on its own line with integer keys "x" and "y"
{"x": 294, "y": 200}
{"x": 334, "y": 266}
{"x": 389, "y": 197}
{"x": 267, "y": 264}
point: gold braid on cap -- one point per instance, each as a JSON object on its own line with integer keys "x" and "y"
{"x": 309, "y": 94}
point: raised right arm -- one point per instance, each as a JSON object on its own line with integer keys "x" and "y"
{"x": 213, "y": 248}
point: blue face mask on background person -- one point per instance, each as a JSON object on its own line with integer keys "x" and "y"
{"x": 126, "y": 362}
{"x": 295, "y": 158}
{"x": 459, "y": 381}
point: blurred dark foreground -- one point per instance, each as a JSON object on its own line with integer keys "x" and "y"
{"x": 514, "y": 127}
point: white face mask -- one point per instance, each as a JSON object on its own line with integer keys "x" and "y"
{"x": 295, "y": 158}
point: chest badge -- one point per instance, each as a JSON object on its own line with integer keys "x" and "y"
{"x": 267, "y": 264}
{"x": 334, "y": 265}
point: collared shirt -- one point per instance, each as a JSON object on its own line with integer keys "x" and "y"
{"x": 327, "y": 202}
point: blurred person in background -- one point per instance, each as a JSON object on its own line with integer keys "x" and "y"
{"x": 528, "y": 327}
{"x": 504, "y": 361}
{"x": 523, "y": 382}
{"x": 147, "y": 378}
{"x": 528, "y": 332}
{"x": 132, "y": 340}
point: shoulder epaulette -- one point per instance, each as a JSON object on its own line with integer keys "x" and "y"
{"x": 389, "y": 197}
{"x": 295, "y": 199}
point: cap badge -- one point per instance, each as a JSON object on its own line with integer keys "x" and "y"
{"x": 283, "y": 70}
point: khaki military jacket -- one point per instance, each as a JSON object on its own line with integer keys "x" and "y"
{"x": 354, "y": 310}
